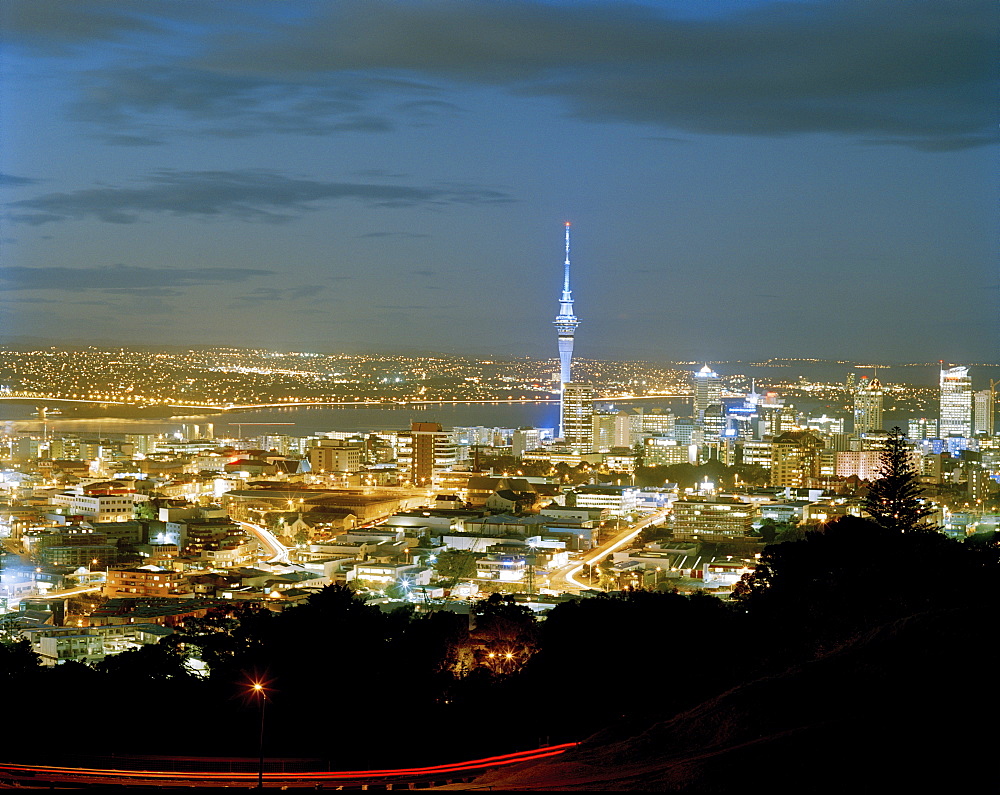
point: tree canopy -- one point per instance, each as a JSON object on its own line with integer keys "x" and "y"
{"x": 893, "y": 499}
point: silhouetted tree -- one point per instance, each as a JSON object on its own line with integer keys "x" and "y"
{"x": 838, "y": 581}
{"x": 893, "y": 499}
{"x": 17, "y": 659}
{"x": 453, "y": 565}
{"x": 506, "y": 631}
{"x": 159, "y": 662}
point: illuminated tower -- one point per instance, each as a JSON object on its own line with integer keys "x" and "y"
{"x": 868, "y": 401}
{"x": 707, "y": 391}
{"x": 956, "y": 402}
{"x": 565, "y": 323}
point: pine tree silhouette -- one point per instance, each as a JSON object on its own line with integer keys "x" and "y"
{"x": 893, "y": 499}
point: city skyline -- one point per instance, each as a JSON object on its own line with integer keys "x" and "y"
{"x": 375, "y": 177}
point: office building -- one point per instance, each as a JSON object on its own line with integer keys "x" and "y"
{"x": 664, "y": 450}
{"x": 918, "y": 428}
{"x": 335, "y": 455}
{"x": 425, "y": 451}
{"x": 862, "y": 464}
{"x": 715, "y": 519}
{"x": 525, "y": 439}
{"x": 578, "y": 411}
{"x": 707, "y": 390}
{"x": 658, "y": 423}
{"x": 796, "y": 459}
{"x": 983, "y": 403}
{"x": 611, "y": 430}
{"x": 868, "y": 406}
{"x": 956, "y": 402}
{"x": 714, "y": 422}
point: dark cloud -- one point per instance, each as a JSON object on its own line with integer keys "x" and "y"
{"x": 364, "y": 124}
{"x": 11, "y": 181}
{"x": 425, "y": 112}
{"x": 118, "y": 139}
{"x": 430, "y": 107}
{"x": 148, "y": 292}
{"x": 247, "y": 104}
{"x": 122, "y": 278}
{"x": 247, "y": 195}
{"x": 931, "y": 144}
{"x": 311, "y": 293}
{"x": 56, "y": 26}
{"x": 23, "y": 299}
{"x": 424, "y": 273}
{"x": 919, "y": 75}
{"x": 378, "y": 173}
{"x": 407, "y": 235}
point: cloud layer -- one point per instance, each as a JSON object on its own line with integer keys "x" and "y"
{"x": 246, "y": 195}
{"x": 122, "y": 278}
{"x": 921, "y": 74}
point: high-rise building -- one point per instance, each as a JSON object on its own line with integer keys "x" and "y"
{"x": 335, "y": 455}
{"x": 425, "y": 451}
{"x": 918, "y": 428}
{"x": 713, "y": 422}
{"x": 661, "y": 450}
{"x": 862, "y": 464}
{"x": 565, "y": 323}
{"x": 824, "y": 424}
{"x": 525, "y": 439}
{"x": 578, "y": 410}
{"x": 868, "y": 406}
{"x": 796, "y": 459}
{"x": 983, "y": 403}
{"x": 707, "y": 390}
{"x": 611, "y": 430}
{"x": 956, "y": 402}
{"x": 774, "y": 418}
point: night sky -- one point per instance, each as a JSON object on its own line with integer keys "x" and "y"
{"x": 744, "y": 179}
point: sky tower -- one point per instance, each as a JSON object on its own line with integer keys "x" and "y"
{"x": 565, "y": 323}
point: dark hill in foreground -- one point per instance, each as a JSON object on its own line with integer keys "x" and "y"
{"x": 910, "y": 704}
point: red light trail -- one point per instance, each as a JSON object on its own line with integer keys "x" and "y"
{"x": 23, "y": 773}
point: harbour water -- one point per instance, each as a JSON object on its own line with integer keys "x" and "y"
{"x": 297, "y": 421}
{"x": 305, "y": 421}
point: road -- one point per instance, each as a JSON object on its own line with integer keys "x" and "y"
{"x": 28, "y": 775}
{"x": 564, "y": 578}
{"x": 278, "y": 552}
{"x": 13, "y": 546}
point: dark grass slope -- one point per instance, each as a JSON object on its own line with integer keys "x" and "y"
{"x": 911, "y": 704}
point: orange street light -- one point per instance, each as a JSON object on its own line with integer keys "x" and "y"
{"x": 257, "y": 688}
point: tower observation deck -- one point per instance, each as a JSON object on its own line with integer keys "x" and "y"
{"x": 565, "y": 323}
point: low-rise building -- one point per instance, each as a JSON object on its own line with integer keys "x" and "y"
{"x": 385, "y": 574}
{"x": 146, "y": 581}
{"x": 57, "y": 645}
{"x": 616, "y": 500}
{"x": 712, "y": 519}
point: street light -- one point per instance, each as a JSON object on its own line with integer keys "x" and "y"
{"x": 257, "y": 688}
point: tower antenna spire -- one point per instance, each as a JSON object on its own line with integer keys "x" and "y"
{"x": 566, "y": 290}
